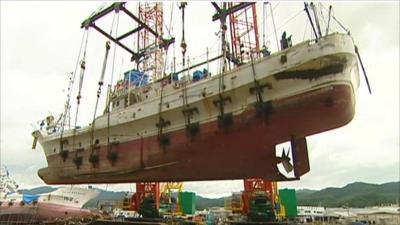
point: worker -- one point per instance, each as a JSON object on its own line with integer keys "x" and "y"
{"x": 286, "y": 42}
{"x": 265, "y": 51}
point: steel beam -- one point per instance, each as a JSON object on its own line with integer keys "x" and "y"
{"x": 223, "y": 13}
{"x": 92, "y": 19}
{"x": 113, "y": 39}
{"x": 139, "y": 22}
{"x": 129, "y": 33}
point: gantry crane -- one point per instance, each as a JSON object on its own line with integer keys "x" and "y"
{"x": 157, "y": 196}
{"x": 244, "y": 33}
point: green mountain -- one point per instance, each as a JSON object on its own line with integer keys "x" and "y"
{"x": 206, "y": 203}
{"x": 356, "y": 194}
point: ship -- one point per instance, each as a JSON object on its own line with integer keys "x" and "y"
{"x": 61, "y": 204}
{"x": 225, "y": 126}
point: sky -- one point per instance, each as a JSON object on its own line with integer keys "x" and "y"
{"x": 40, "y": 43}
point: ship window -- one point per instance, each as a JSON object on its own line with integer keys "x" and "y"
{"x": 133, "y": 115}
{"x": 54, "y": 150}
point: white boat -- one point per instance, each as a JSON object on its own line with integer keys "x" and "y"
{"x": 182, "y": 130}
{"x": 63, "y": 203}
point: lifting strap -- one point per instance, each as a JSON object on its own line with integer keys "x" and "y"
{"x": 79, "y": 96}
{"x": 111, "y": 155}
{"x": 101, "y": 82}
{"x": 183, "y": 43}
{"x": 163, "y": 139}
{"x": 70, "y": 87}
{"x": 224, "y": 120}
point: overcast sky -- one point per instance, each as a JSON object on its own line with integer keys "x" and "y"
{"x": 39, "y": 47}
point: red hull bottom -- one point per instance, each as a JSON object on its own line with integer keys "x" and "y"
{"x": 245, "y": 150}
{"x": 30, "y": 214}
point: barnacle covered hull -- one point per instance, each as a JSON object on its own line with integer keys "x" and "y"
{"x": 306, "y": 89}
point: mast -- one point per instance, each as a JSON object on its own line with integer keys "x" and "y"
{"x": 152, "y": 15}
{"x": 244, "y": 33}
{"x": 148, "y": 25}
{"x": 314, "y": 8}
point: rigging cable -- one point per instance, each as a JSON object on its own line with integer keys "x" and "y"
{"x": 289, "y": 20}
{"x": 170, "y": 27}
{"x": 83, "y": 67}
{"x": 103, "y": 70}
{"x": 264, "y": 21}
{"x": 336, "y": 20}
{"x": 273, "y": 22}
{"x": 183, "y": 43}
{"x": 101, "y": 82}
{"x": 256, "y": 83}
{"x": 78, "y": 97}
{"x": 221, "y": 85}
{"x": 305, "y": 30}
{"x": 316, "y": 18}
{"x": 329, "y": 20}
{"x": 109, "y": 90}
{"x": 68, "y": 103}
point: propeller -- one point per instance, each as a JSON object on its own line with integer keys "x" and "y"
{"x": 363, "y": 69}
{"x": 285, "y": 160}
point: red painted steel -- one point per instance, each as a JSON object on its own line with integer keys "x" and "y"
{"x": 144, "y": 190}
{"x": 244, "y": 32}
{"x": 246, "y": 150}
{"x": 252, "y": 186}
{"x": 18, "y": 213}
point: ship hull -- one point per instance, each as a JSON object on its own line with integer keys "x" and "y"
{"x": 246, "y": 150}
{"x": 305, "y": 90}
{"x": 39, "y": 212}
